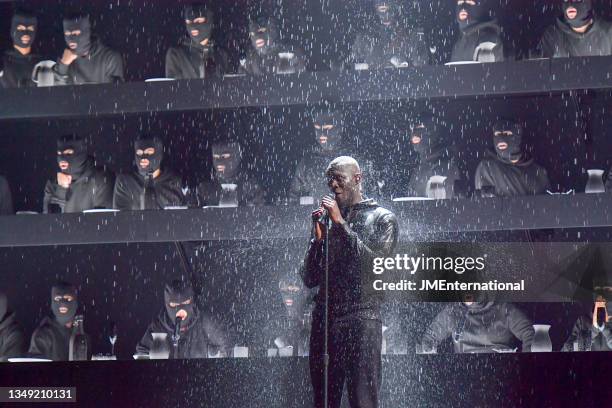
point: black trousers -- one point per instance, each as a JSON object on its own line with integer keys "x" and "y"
{"x": 354, "y": 358}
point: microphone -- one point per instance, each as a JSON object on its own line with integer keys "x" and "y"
{"x": 112, "y": 338}
{"x": 324, "y": 217}
{"x": 177, "y": 331}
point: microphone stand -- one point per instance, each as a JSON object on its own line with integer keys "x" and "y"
{"x": 176, "y": 336}
{"x": 326, "y": 335}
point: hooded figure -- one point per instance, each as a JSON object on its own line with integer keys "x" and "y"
{"x": 197, "y": 55}
{"x": 390, "y": 44}
{"x": 6, "y": 198}
{"x": 309, "y": 177}
{"x": 510, "y": 171}
{"x": 18, "y": 62}
{"x": 12, "y": 338}
{"x": 480, "y": 38}
{"x": 86, "y": 60}
{"x": 480, "y": 326}
{"x": 268, "y": 55}
{"x": 229, "y": 185}
{"x": 79, "y": 185}
{"x": 435, "y": 158}
{"x": 199, "y": 335}
{"x": 151, "y": 186}
{"x": 51, "y": 339}
{"x": 577, "y": 33}
{"x": 291, "y": 327}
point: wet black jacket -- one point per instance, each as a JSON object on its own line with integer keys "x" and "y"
{"x": 130, "y": 192}
{"x": 523, "y": 178}
{"x": 101, "y": 65}
{"x": 17, "y": 69}
{"x": 6, "y": 198}
{"x": 588, "y": 337}
{"x": 481, "y": 328}
{"x": 369, "y": 231}
{"x": 202, "y": 338}
{"x": 439, "y": 163}
{"x": 560, "y": 41}
{"x": 50, "y": 340}
{"x": 249, "y": 191}
{"x": 12, "y": 339}
{"x": 93, "y": 189}
{"x": 390, "y": 49}
{"x": 187, "y": 61}
{"x": 294, "y": 332}
{"x": 466, "y": 47}
{"x": 273, "y": 62}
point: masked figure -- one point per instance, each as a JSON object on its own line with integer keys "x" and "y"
{"x": 79, "y": 184}
{"x": 197, "y": 55}
{"x": 51, "y": 339}
{"x": 510, "y": 171}
{"x": 391, "y": 44}
{"x": 86, "y": 60}
{"x": 435, "y": 158}
{"x": 199, "y": 335}
{"x": 6, "y": 198}
{"x": 229, "y": 185}
{"x": 309, "y": 177}
{"x": 480, "y": 326}
{"x": 480, "y": 38}
{"x": 151, "y": 186}
{"x": 578, "y": 33}
{"x": 268, "y": 54}
{"x": 18, "y": 62}
{"x": 12, "y": 338}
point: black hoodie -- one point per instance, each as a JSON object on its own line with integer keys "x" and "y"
{"x": 523, "y": 178}
{"x": 12, "y": 338}
{"x": 249, "y": 192}
{"x": 17, "y": 69}
{"x": 130, "y": 194}
{"x": 202, "y": 338}
{"x": 560, "y": 41}
{"x": 438, "y": 163}
{"x": 589, "y": 337}
{"x": 273, "y": 63}
{"x": 465, "y": 49}
{"x": 101, "y": 65}
{"x": 92, "y": 189}
{"x": 482, "y": 327}
{"x": 50, "y": 340}
{"x": 188, "y": 60}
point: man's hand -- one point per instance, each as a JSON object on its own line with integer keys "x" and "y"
{"x": 600, "y": 305}
{"x": 68, "y": 57}
{"x": 64, "y": 180}
{"x": 333, "y": 210}
{"x": 319, "y": 228}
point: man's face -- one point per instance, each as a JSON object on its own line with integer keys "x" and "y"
{"x": 500, "y": 137}
{"x": 463, "y": 6}
{"x": 226, "y": 159}
{"x": 26, "y": 33}
{"x": 181, "y": 311}
{"x": 61, "y": 300}
{"x": 143, "y": 157}
{"x": 385, "y": 12}
{"x": 63, "y": 164}
{"x": 343, "y": 183}
{"x": 72, "y": 35}
{"x": 417, "y": 134}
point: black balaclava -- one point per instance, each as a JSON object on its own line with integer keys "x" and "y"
{"x": 476, "y": 13}
{"x": 196, "y": 10}
{"x": 77, "y": 161}
{"x": 155, "y": 159}
{"x": 178, "y": 292}
{"x": 270, "y": 37}
{"x": 427, "y": 128}
{"x": 584, "y": 12}
{"x": 226, "y": 157}
{"x": 27, "y": 20}
{"x": 602, "y": 285}
{"x": 514, "y": 150}
{"x": 61, "y": 289}
{"x": 83, "y": 41}
{"x": 292, "y": 293}
{"x": 3, "y": 305}
{"x": 388, "y": 17}
{"x": 332, "y": 137}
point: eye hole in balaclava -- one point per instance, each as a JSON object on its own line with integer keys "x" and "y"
{"x": 328, "y": 126}
{"x": 226, "y": 157}
{"x": 469, "y": 12}
{"x": 577, "y": 13}
{"x": 64, "y": 302}
{"x": 148, "y": 154}
{"x": 199, "y": 22}
{"x": 424, "y": 136}
{"x": 77, "y": 33}
{"x": 264, "y": 33}
{"x": 23, "y": 29}
{"x": 72, "y": 155}
{"x": 507, "y": 140}
{"x": 179, "y": 301}
{"x": 387, "y": 11}
{"x": 292, "y": 293}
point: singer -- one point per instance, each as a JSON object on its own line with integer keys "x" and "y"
{"x": 352, "y": 231}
